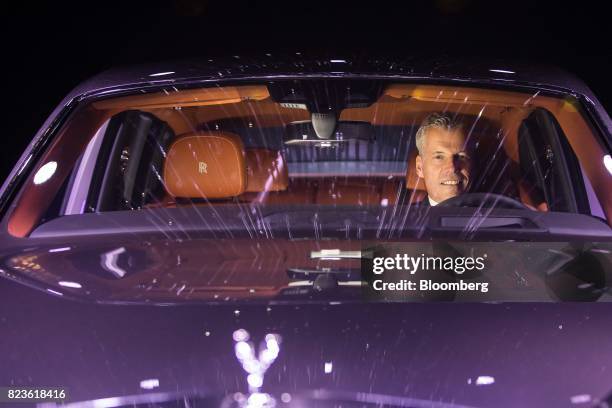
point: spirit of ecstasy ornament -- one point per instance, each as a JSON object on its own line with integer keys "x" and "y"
{"x": 256, "y": 366}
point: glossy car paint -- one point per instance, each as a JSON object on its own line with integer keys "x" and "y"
{"x": 538, "y": 354}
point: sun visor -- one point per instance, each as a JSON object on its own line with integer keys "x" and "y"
{"x": 187, "y": 97}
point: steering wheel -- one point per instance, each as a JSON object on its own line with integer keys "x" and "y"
{"x": 486, "y": 200}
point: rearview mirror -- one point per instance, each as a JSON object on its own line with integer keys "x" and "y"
{"x": 303, "y": 132}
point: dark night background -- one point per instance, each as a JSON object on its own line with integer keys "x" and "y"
{"x": 48, "y": 49}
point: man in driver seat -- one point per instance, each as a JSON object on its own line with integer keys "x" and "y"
{"x": 444, "y": 159}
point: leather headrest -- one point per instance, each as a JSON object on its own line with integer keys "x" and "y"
{"x": 266, "y": 171}
{"x": 413, "y": 182}
{"x": 205, "y": 165}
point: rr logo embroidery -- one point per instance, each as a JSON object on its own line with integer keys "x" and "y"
{"x": 202, "y": 168}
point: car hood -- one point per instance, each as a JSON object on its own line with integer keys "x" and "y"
{"x": 463, "y": 354}
{"x": 126, "y": 270}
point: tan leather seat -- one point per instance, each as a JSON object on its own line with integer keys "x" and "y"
{"x": 267, "y": 178}
{"x": 348, "y": 191}
{"x": 415, "y": 186}
{"x": 208, "y": 165}
{"x": 300, "y": 191}
{"x": 410, "y": 188}
{"x": 391, "y": 190}
{"x": 266, "y": 171}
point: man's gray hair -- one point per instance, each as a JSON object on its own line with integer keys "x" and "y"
{"x": 436, "y": 120}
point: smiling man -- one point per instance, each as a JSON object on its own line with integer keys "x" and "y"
{"x": 444, "y": 161}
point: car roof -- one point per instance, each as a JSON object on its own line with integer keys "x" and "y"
{"x": 274, "y": 65}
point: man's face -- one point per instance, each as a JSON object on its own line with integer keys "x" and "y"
{"x": 444, "y": 163}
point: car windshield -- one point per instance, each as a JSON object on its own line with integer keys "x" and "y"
{"x": 271, "y": 176}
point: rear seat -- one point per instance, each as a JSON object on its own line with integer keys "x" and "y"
{"x": 267, "y": 176}
{"x": 348, "y": 191}
{"x": 415, "y": 187}
{"x": 299, "y": 191}
{"x": 268, "y": 183}
{"x": 409, "y": 189}
{"x": 213, "y": 166}
{"x": 266, "y": 171}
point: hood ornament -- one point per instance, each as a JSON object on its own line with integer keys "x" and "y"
{"x": 256, "y": 366}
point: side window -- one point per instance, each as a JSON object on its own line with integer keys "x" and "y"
{"x": 129, "y": 166}
{"x": 549, "y": 166}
